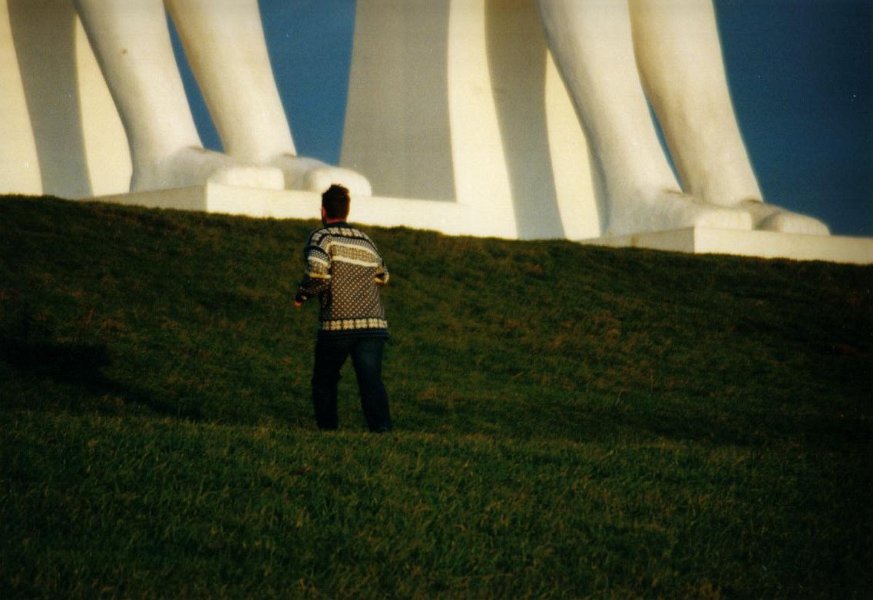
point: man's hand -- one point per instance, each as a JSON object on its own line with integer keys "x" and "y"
{"x": 298, "y": 304}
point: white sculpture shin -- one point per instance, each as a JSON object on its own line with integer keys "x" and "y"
{"x": 132, "y": 44}
{"x": 680, "y": 62}
{"x": 592, "y": 45}
{"x": 225, "y": 45}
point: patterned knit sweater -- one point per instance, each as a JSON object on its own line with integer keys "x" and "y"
{"x": 344, "y": 270}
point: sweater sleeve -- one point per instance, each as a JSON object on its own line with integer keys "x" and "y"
{"x": 382, "y": 276}
{"x": 316, "y": 268}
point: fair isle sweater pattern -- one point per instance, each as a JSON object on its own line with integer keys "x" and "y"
{"x": 344, "y": 269}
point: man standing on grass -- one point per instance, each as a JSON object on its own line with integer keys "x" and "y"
{"x": 344, "y": 270}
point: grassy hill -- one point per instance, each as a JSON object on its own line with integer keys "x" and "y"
{"x": 570, "y": 421}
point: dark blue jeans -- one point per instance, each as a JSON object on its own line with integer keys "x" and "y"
{"x": 366, "y": 353}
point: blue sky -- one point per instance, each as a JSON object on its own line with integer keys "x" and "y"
{"x": 800, "y": 71}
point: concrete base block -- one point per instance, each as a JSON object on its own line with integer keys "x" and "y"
{"x": 447, "y": 217}
{"x": 222, "y": 199}
{"x": 763, "y": 244}
{"x": 459, "y": 219}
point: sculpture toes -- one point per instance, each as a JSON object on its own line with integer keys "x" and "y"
{"x": 715, "y": 218}
{"x": 787, "y": 222}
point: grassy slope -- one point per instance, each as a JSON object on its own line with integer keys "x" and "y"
{"x": 571, "y": 421}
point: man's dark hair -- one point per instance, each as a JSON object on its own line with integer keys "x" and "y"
{"x": 335, "y": 201}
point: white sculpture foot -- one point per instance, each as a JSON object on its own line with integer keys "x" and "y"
{"x": 197, "y": 166}
{"x": 769, "y": 217}
{"x": 310, "y": 174}
{"x": 670, "y": 209}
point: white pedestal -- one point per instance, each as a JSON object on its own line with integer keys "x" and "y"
{"x": 764, "y": 244}
{"x": 454, "y": 218}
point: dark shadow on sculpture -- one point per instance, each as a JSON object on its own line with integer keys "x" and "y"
{"x": 521, "y": 113}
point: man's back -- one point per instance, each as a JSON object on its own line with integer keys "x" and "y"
{"x": 345, "y": 270}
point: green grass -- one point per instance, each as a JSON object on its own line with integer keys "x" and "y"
{"x": 571, "y": 421}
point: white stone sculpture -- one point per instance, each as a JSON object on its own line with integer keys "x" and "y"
{"x": 609, "y": 52}
{"x": 50, "y": 85}
{"x": 472, "y": 113}
{"x": 224, "y": 44}
{"x": 456, "y": 102}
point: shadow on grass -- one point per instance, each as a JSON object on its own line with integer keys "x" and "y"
{"x": 79, "y": 365}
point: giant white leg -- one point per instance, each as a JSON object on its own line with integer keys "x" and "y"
{"x": 132, "y": 44}
{"x": 592, "y": 45}
{"x": 224, "y": 43}
{"x": 680, "y": 61}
